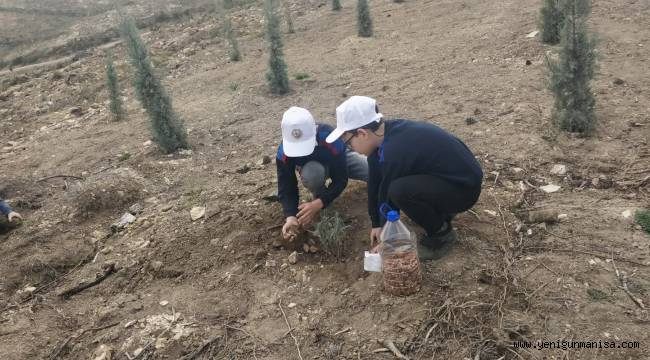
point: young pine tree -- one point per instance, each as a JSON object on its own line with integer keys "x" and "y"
{"x": 571, "y": 74}
{"x": 364, "y": 22}
{"x": 167, "y": 128}
{"x": 336, "y": 5}
{"x": 277, "y": 74}
{"x": 551, "y": 21}
{"x": 234, "y": 53}
{"x": 227, "y": 4}
{"x": 113, "y": 86}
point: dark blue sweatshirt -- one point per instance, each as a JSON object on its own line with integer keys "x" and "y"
{"x": 418, "y": 148}
{"x": 4, "y": 208}
{"x": 331, "y": 156}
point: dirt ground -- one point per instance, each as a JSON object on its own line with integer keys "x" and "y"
{"x": 172, "y": 284}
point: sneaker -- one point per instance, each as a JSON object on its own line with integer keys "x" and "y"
{"x": 437, "y": 246}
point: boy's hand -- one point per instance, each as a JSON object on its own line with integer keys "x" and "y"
{"x": 308, "y": 211}
{"x": 374, "y": 239}
{"x": 14, "y": 216}
{"x": 290, "y": 228}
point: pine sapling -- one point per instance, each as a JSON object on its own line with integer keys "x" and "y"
{"x": 570, "y": 75}
{"x": 551, "y": 21}
{"x": 233, "y": 53}
{"x": 166, "y": 126}
{"x": 112, "y": 83}
{"x": 336, "y": 5}
{"x": 364, "y": 22}
{"x": 276, "y": 76}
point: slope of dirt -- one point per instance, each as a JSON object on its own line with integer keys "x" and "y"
{"x": 181, "y": 283}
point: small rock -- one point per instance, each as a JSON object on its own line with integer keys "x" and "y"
{"x": 138, "y": 351}
{"x": 156, "y": 265}
{"x": 291, "y": 305}
{"x": 313, "y": 249}
{"x": 130, "y": 323}
{"x": 491, "y": 213}
{"x": 244, "y": 169}
{"x": 293, "y": 258}
{"x": 626, "y": 214}
{"x": 550, "y": 188}
{"x": 76, "y": 111}
{"x": 618, "y": 81}
{"x": 147, "y": 143}
{"x": 265, "y": 160}
{"x": 185, "y": 152}
{"x": 124, "y": 221}
{"x": 103, "y": 352}
{"x": 558, "y": 169}
{"x": 136, "y": 209}
{"x": 215, "y": 242}
{"x": 270, "y": 263}
{"x": 164, "y": 303}
{"x": 602, "y": 182}
{"x": 562, "y": 217}
{"x": 29, "y": 289}
{"x": 532, "y": 34}
{"x": 166, "y": 208}
{"x": 197, "y": 212}
{"x": 305, "y": 248}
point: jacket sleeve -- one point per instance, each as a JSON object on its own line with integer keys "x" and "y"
{"x": 4, "y": 208}
{"x": 374, "y": 179}
{"x": 338, "y": 172}
{"x": 287, "y": 187}
{"x": 391, "y": 170}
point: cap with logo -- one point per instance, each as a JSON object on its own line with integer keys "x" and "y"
{"x": 353, "y": 113}
{"x": 298, "y": 132}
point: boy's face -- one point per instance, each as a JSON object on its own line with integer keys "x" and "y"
{"x": 362, "y": 141}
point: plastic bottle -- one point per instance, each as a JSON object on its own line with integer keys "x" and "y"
{"x": 400, "y": 262}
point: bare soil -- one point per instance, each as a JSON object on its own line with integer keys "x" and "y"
{"x": 180, "y": 284}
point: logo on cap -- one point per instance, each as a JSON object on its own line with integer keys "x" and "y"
{"x": 296, "y": 133}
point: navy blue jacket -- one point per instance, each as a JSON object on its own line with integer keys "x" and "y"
{"x": 332, "y": 156}
{"x": 417, "y": 148}
{"x": 4, "y": 208}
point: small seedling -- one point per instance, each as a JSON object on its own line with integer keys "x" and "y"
{"x": 330, "y": 231}
{"x": 597, "y": 295}
{"x": 642, "y": 218}
{"x": 233, "y": 86}
{"x": 301, "y": 76}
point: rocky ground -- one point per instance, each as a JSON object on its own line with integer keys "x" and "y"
{"x": 170, "y": 287}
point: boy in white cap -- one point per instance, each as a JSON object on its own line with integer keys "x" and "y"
{"x": 414, "y": 166}
{"x": 304, "y": 151}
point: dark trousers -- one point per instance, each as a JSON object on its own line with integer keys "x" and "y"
{"x": 429, "y": 200}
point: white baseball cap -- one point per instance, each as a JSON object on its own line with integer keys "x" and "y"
{"x": 298, "y": 132}
{"x": 354, "y": 113}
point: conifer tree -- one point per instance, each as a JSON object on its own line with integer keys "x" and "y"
{"x": 364, "y": 22}
{"x": 277, "y": 74}
{"x": 112, "y": 83}
{"x": 336, "y": 5}
{"x": 166, "y": 126}
{"x": 233, "y": 53}
{"x": 551, "y": 21}
{"x": 570, "y": 75}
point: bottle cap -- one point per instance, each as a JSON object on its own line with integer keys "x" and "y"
{"x": 392, "y": 216}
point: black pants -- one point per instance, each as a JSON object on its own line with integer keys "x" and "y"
{"x": 429, "y": 200}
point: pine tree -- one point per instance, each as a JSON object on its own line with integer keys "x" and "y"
{"x": 336, "y": 5}
{"x": 364, "y": 22}
{"x": 551, "y": 21}
{"x": 227, "y": 4}
{"x": 234, "y": 53}
{"x": 570, "y": 75}
{"x": 167, "y": 128}
{"x": 277, "y": 74}
{"x": 113, "y": 86}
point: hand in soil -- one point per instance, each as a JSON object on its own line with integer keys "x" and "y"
{"x": 291, "y": 228}
{"x": 14, "y": 216}
{"x": 308, "y": 211}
